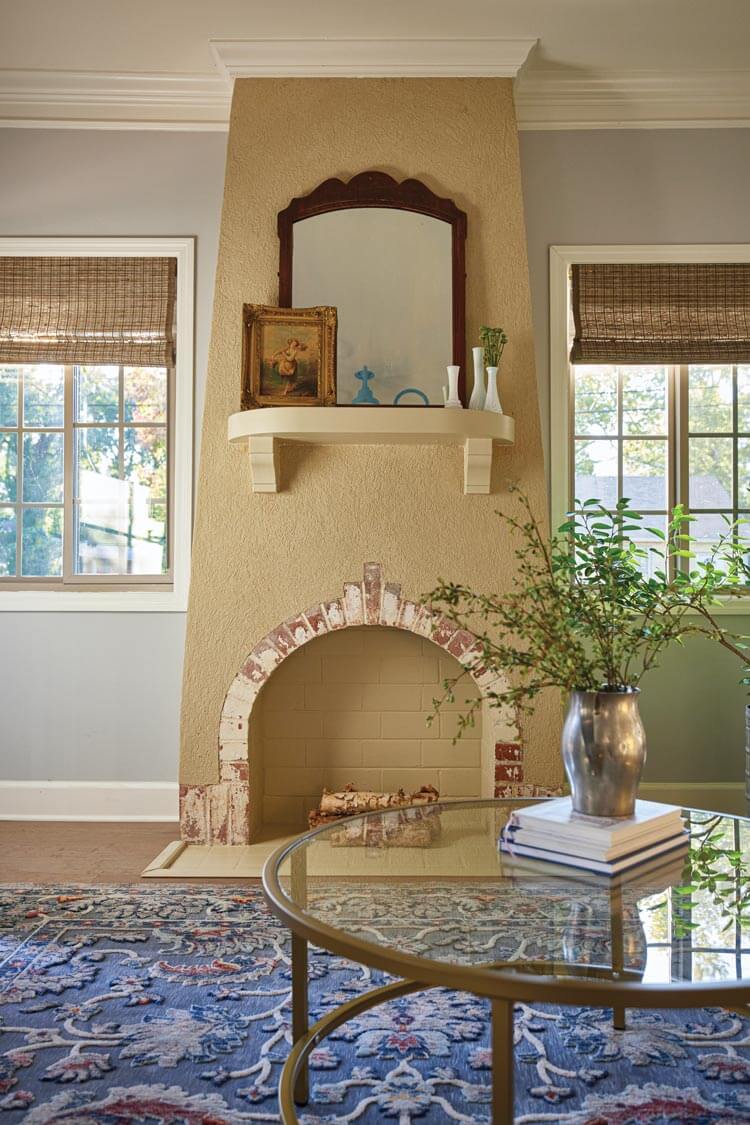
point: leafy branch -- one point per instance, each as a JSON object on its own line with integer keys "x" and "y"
{"x": 585, "y": 611}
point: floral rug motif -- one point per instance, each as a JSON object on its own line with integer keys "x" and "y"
{"x": 146, "y": 1005}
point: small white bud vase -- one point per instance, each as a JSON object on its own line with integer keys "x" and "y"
{"x": 450, "y": 395}
{"x": 492, "y": 401}
{"x": 479, "y": 391}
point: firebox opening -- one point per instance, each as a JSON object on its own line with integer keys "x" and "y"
{"x": 353, "y": 707}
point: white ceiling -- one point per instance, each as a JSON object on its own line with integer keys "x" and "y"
{"x": 598, "y": 62}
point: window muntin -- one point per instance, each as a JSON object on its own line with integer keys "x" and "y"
{"x": 663, "y": 435}
{"x": 622, "y": 440}
{"x": 84, "y": 482}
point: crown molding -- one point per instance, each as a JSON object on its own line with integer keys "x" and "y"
{"x": 371, "y": 58}
{"x": 110, "y": 100}
{"x": 633, "y": 99}
{"x": 546, "y": 98}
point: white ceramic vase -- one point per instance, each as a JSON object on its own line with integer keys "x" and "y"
{"x": 450, "y": 395}
{"x": 479, "y": 391}
{"x": 492, "y": 401}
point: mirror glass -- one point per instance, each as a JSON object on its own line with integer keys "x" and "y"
{"x": 389, "y": 274}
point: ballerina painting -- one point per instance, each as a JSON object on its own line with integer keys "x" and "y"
{"x": 290, "y": 356}
{"x": 286, "y": 362}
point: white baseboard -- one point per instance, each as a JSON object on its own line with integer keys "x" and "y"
{"x": 89, "y": 800}
{"x": 158, "y": 800}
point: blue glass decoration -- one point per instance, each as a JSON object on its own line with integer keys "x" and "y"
{"x": 364, "y": 396}
{"x": 411, "y": 391}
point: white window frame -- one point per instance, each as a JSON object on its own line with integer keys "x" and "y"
{"x": 173, "y": 600}
{"x": 561, "y": 259}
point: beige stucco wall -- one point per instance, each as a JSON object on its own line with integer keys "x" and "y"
{"x": 260, "y": 558}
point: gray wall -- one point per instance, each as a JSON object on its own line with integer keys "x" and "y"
{"x": 648, "y": 186}
{"x": 95, "y": 696}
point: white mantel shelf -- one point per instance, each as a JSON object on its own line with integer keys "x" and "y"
{"x": 477, "y": 430}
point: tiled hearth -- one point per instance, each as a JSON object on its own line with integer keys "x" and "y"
{"x": 309, "y": 735}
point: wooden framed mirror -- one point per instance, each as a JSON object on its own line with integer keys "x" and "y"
{"x": 391, "y": 257}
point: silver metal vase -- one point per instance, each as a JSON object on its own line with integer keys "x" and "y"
{"x": 604, "y": 749}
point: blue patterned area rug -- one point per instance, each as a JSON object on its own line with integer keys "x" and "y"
{"x": 171, "y": 1004}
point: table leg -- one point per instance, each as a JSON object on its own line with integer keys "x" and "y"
{"x": 502, "y": 1062}
{"x": 299, "y": 1012}
{"x": 617, "y": 924}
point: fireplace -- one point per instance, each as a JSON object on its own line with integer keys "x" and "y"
{"x": 340, "y": 693}
{"x": 267, "y": 567}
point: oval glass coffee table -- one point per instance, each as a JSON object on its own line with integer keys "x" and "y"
{"x": 425, "y": 895}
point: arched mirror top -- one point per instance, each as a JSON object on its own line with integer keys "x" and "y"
{"x": 373, "y": 189}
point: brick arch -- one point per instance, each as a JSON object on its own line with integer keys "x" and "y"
{"x": 218, "y": 813}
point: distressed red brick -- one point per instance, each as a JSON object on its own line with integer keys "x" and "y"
{"x": 460, "y": 643}
{"x": 508, "y": 771}
{"x": 317, "y": 621}
{"x": 282, "y": 640}
{"x": 508, "y": 752}
{"x": 353, "y": 608}
{"x": 334, "y": 612}
{"x": 252, "y": 671}
{"x": 372, "y": 586}
{"x": 300, "y": 629}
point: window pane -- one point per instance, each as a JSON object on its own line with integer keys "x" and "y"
{"x": 644, "y": 400}
{"x": 595, "y": 400}
{"x": 743, "y": 397}
{"x": 121, "y": 523}
{"x": 97, "y": 394}
{"x": 145, "y": 460}
{"x": 706, "y": 532}
{"x": 710, "y": 461}
{"x": 97, "y": 461}
{"x": 41, "y": 543}
{"x": 8, "y": 466}
{"x": 101, "y": 546}
{"x": 43, "y": 468}
{"x": 655, "y": 547}
{"x": 43, "y": 395}
{"x": 596, "y": 471}
{"x": 710, "y": 398}
{"x": 9, "y": 396}
{"x": 123, "y": 537}
{"x": 145, "y": 394}
{"x": 644, "y": 473}
{"x": 743, "y": 472}
{"x": 7, "y": 542}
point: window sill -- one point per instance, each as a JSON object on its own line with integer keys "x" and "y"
{"x": 88, "y": 601}
{"x": 737, "y": 607}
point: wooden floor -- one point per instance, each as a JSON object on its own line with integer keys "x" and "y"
{"x": 61, "y": 852}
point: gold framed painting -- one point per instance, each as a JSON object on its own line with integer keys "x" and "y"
{"x": 289, "y": 356}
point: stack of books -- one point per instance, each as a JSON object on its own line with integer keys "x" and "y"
{"x": 551, "y": 832}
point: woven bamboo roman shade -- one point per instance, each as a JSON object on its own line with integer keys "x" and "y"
{"x": 660, "y": 313}
{"x": 88, "y": 310}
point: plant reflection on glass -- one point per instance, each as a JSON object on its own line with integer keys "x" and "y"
{"x": 716, "y": 877}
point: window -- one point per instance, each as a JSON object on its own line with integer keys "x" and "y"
{"x": 95, "y": 456}
{"x": 628, "y": 432}
{"x": 110, "y": 424}
{"x": 657, "y": 433}
{"x": 622, "y": 440}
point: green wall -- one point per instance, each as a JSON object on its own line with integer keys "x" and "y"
{"x": 693, "y": 709}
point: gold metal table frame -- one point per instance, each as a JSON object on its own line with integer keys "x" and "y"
{"x": 586, "y": 985}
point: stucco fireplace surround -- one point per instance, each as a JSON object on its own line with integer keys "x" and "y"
{"x": 227, "y": 812}
{"x": 268, "y": 567}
